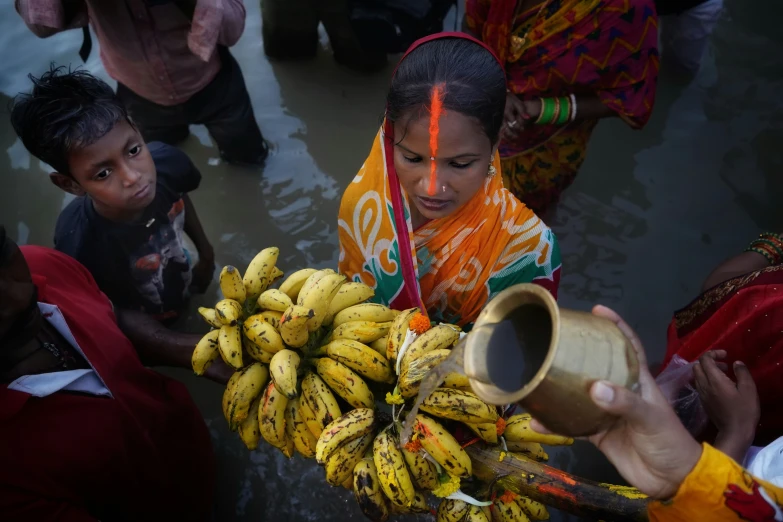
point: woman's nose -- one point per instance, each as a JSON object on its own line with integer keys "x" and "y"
{"x": 130, "y": 177}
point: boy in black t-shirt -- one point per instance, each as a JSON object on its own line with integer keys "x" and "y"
{"x": 132, "y": 207}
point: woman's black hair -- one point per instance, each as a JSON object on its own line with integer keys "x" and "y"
{"x": 64, "y": 111}
{"x": 472, "y": 79}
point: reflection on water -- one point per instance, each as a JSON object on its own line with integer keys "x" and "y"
{"x": 651, "y": 213}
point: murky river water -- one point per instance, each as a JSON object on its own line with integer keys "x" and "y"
{"x": 650, "y": 215}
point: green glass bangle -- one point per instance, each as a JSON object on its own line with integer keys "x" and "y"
{"x": 771, "y": 244}
{"x": 547, "y": 111}
{"x": 767, "y": 255}
{"x": 565, "y": 111}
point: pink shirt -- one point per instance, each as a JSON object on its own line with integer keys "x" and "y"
{"x": 155, "y": 51}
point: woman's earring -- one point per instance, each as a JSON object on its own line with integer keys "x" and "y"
{"x": 492, "y": 170}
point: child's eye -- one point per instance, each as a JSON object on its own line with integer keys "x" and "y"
{"x": 415, "y": 159}
{"x": 102, "y": 174}
{"x": 461, "y": 165}
{"x": 134, "y": 150}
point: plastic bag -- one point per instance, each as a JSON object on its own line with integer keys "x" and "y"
{"x": 676, "y": 383}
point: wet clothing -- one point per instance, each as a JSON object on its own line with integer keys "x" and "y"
{"x": 223, "y": 106}
{"x": 451, "y": 266}
{"x": 152, "y": 47}
{"x": 675, "y": 7}
{"x": 172, "y": 72}
{"x": 126, "y": 444}
{"x": 141, "y": 265}
{"x": 743, "y": 316}
{"x": 686, "y": 33}
{"x": 607, "y": 48}
{"x": 719, "y": 490}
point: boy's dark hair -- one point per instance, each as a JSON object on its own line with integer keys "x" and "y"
{"x": 472, "y": 79}
{"x": 64, "y": 111}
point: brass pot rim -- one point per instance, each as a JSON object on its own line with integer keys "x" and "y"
{"x": 513, "y": 297}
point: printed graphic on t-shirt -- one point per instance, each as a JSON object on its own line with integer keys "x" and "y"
{"x": 161, "y": 265}
{"x": 751, "y": 502}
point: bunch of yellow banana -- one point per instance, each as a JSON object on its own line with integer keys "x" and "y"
{"x": 510, "y": 507}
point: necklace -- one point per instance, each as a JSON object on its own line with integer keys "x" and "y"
{"x": 518, "y": 42}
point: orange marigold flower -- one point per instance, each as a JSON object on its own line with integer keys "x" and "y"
{"x": 500, "y": 426}
{"x": 507, "y": 496}
{"x": 413, "y": 445}
{"x": 419, "y": 323}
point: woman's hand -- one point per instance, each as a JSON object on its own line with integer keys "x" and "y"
{"x": 518, "y": 115}
{"x": 733, "y": 408}
{"x": 647, "y": 443}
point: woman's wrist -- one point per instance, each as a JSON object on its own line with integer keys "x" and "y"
{"x": 769, "y": 245}
{"x": 556, "y": 111}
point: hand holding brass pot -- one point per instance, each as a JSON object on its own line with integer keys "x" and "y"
{"x": 524, "y": 349}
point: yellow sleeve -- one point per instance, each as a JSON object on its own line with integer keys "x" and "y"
{"x": 718, "y": 489}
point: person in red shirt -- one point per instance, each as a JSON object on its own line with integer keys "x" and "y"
{"x": 88, "y": 432}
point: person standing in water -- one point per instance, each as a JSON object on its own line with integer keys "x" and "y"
{"x": 569, "y": 64}
{"x": 171, "y": 62}
{"x": 426, "y": 222}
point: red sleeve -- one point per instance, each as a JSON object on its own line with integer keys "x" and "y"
{"x": 21, "y": 506}
{"x": 215, "y": 22}
{"x": 47, "y": 17}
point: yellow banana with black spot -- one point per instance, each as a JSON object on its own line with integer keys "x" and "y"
{"x": 367, "y": 491}
{"x": 293, "y": 326}
{"x": 373, "y": 312}
{"x": 206, "y": 352}
{"x": 423, "y": 472}
{"x": 509, "y": 510}
{"x": 361, "y": 358}
{"x": 476, "y": 514}
{"x": 263, "y": 334}
{"x": 297, "y": 429}
{"x": 231, "y": 284}
{"x": 339, "y": 466}
{"x": 255, "y": 352}
{"x": 248, "y": 429}
{"x": 210, "y": 317}
{"x": 362, "y": 331}
{"x": 488, "y": 432}
{"x": 310, "y": 282}
{"x": 456, "y": 381}
{"x": 228, "y": 311}
{"x": 436, "y": 338}
{"x": 319, "y": 398}
{"x": 293, "y": 283}
{"x": 228, "y": 393}
{"x": 531, "y": 450}
{"x": 518, "y": 430}
{"x": 283, "y": 368}
{"x": 249, "y": 386}
{"x": 418, "y": 505}
{"x": 451, "y": 510}
{"x": 410, "y": 378}
{"x": 397, "y": 332}
{"x": 315, "y": 426}
{"x": 442, "y": 447}
{"x": 354, "y": 424}
{"x": 275, "y": 300}
{"x": 345, "y": 383}
{"x": 319, "y": 296}
{"x": 379, "y": 345}
{"x": 259, "y": 272}
{"x": 230, "y": 345}
{"x": 271, "y": 416}
{"x": 393, "y": 474}
{"x": 350, "y": 294}
{"x": 534, "y": 510}
{"x": 272, "y": 317}
{"x": 459, "y": 405}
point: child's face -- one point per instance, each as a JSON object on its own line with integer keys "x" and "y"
{"x": 116, "y": 171}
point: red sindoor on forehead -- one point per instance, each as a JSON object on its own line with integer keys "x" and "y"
{"x": 436, "y": 110}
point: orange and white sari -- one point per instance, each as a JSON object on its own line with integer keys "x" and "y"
{"x": 449, "y": 267}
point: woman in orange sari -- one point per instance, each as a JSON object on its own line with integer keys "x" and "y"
{"x": 426, "y": 222}
{"x": 568, "y": 63}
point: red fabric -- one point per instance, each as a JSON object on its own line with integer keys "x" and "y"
{"x": 743, "y": 316}
{"x": 144, "y": 454}
{"x": 604, "y": 47}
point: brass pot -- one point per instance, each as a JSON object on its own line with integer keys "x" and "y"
{"x": 570, "y": 349}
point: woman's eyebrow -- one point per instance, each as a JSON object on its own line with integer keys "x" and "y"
{"x": 406, "y": 149}
{"x": 458, "y": 156}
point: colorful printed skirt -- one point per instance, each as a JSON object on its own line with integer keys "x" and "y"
{"x": 539, "y": 175}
